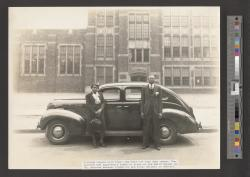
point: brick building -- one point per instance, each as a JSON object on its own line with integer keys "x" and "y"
{"x": 179, "y": 46}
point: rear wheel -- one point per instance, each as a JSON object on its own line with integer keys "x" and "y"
{"x": 58, "y": 132}
{"x": 168, "y": 133}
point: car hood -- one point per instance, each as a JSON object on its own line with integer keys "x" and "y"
{"x": 57, "y": 103}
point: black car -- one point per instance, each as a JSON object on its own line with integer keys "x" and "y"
{"x": 65, "y": 118}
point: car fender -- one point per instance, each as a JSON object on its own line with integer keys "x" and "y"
{"x": 183, "y": 122}
{"x": 76, "y": 121}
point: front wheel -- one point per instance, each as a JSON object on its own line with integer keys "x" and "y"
{"x": 168, "y": 133}
{"x": 58, "y": 132}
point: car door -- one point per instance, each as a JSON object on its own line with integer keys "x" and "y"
{"x": 114, "y": 114}
{"x": 131, "y": 107}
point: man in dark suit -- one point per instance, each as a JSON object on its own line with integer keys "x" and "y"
{"x": 95, "y": 103}
{"x": 151, "y": 112}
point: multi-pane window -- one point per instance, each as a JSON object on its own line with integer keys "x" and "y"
{"x": 168, "y": 76}
{"x": 214, "y": 50}
{"x": 104, "y": 74}
{"x": 139, "y": 55}
{"x": 206, "y": 76}
{"x": 205, "y": 22}
{"x": 109, "y": 46}
{"x": 196, "y": 22}
{"x": 109, "y": 19}
{"x": 69, "y": 59}
{"x": 176, "y": 46}
{"x": 101, "y": 18}
{"x": 198, "y": 76}
{"x": 100, "y": 46}
{"x": 146, "y": 55}
{"x": 209, "y": 75}
{"x": 175, "y": 21}
{"x": 167, "y": 47}
{"x": 177, "y": 76}
{"x": 138, "y": 26}
{"x": 34, "y": 59}
{"x": 166, "y": 21}
{"x": 197, "y": 46}
{"x": 184, "y": 46}
{"x": 185, "y": 76}
{"x": 184, "y": 21}
{"x": 206, "y": 46}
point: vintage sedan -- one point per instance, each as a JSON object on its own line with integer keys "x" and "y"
{"x": 65, "y": 118}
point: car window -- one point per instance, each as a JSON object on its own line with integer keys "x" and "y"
{"x": 169, "y": 98}
{"x": 111, "y": 94}
{"x": 132, "y": 94}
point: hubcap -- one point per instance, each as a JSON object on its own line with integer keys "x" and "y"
{"x": 165, "y": 132}
{"x": 58, "y": 132}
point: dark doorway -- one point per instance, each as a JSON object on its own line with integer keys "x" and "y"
{"x": 139, "y": 78}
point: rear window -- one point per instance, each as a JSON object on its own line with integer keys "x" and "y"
{"x": 169, "y": 98}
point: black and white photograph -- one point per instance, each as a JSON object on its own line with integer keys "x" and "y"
{"x": 114, "y": 87}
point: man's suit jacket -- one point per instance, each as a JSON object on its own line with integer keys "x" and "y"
{"x": 146, "y": 101}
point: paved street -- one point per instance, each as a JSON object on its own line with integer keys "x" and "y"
{"x": 28, "y": 148}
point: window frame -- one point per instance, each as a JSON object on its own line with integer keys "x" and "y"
{"x": 38, "y": 45}
{"x": 74, "y": 45}
{"x": 111, "y": 88}
{"x": 131, "y": 100}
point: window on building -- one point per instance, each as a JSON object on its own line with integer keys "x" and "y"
{"x": 206, "y": 76}
{"x": 196, "y": 21}
{"x": 132, "y": 55}
{"x": 177, "y": 76}
{"x": 166, "y": 21}
{"x": 77, "y": 58}
{"x": 131, "y": 26}
{"x": 139, "y": 55}
{"x": 185, "y": 76}
{"x": 198, "y": 76}
{"x": 34, "y": 59}
{"x": 138, "y": 26}
{"x": 205, "y": 22}
{"x": 206, "y": 45}
{"x": 69, "y": 59}
{"x": 176, "y": 46}
{"x": 214, "y": 51}
{"x": 146, "y": 55}
{"x": 101, "y": 18}
{"x": 145, "y": 27}
{"x": 184, "y": 46}
{"x": 197, "y": 47}
{"x": 167, "y": 47}
{"x": 168, "y": 76}
{"x": 109, "y": 46}
{"x": 104, "y": 74}
{"x": 213, "y": 77}
{"x": 184, "y": 21}
{"x": 175, "y": 21}
{"x": 100, "y": 46}
{"x": 109, "y": 19}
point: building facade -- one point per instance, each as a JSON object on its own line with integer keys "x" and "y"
{"x": 180, "y": 46}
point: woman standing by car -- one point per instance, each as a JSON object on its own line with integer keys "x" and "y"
{"x": 95, "y": 103}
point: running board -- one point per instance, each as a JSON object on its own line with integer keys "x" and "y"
{"x": 123, "y": 133}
